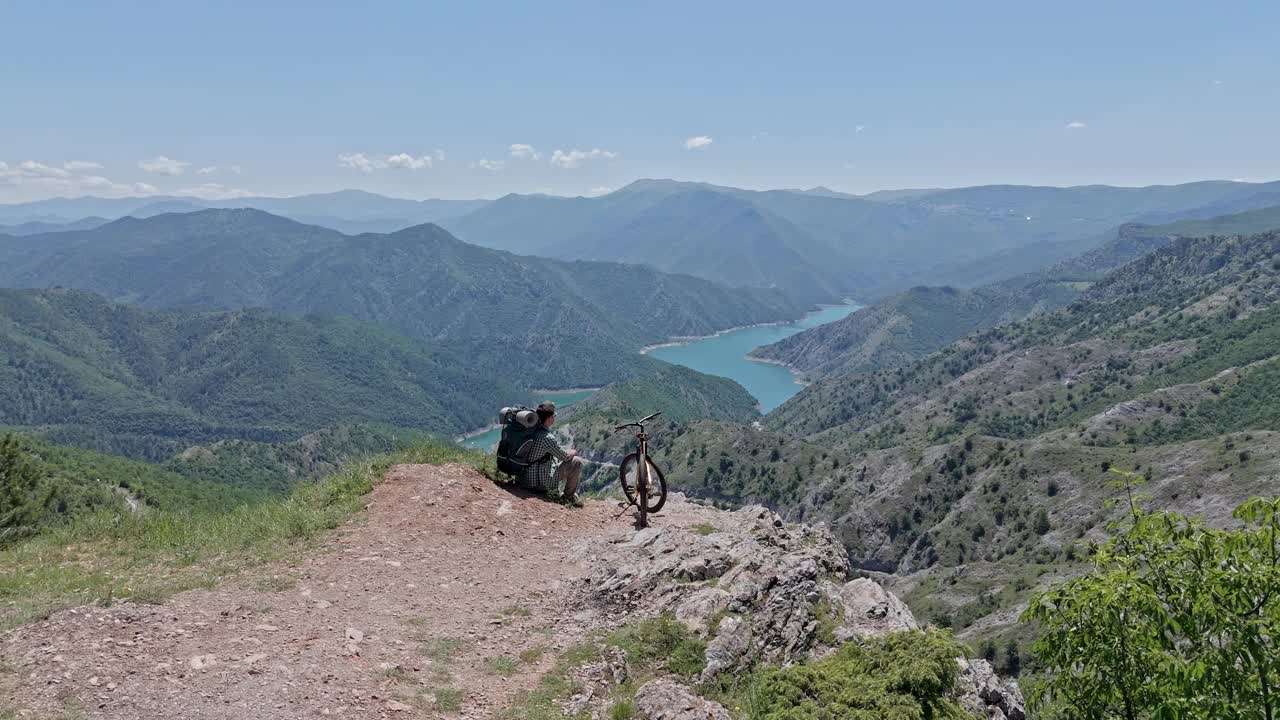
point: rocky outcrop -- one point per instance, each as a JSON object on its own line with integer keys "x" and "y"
{"x": 761, "y": 591}
{"x": 760, "y": 578}
{"x": 989, "y": 695}
{"x": 869, "y": 610}
{"x": 665, "y": 700}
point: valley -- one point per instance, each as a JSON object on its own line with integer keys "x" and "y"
{"x": 955, "y": 328}
{"x": 957, "y": 441}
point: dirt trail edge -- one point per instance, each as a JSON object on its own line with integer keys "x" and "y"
{"x": 447, "y": 598}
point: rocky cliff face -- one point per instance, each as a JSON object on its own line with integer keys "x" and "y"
{"x": 758, "y": 590}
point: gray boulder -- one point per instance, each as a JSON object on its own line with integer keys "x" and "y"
{"x": 869, "y": 610}
{"x": 988, "y": 695}
{"x": 665, "y": 700}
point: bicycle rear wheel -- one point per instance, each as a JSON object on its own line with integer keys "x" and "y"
{"x": 657, "y": 490}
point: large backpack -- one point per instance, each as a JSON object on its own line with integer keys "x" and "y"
{"x": 520, "y": 427}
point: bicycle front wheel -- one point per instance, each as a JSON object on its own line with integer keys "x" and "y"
{"x": 628, "y": 475}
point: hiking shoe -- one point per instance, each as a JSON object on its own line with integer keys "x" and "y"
{"x": 572, "y": 501}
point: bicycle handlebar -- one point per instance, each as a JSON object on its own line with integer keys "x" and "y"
{"x": 637, "y": 423}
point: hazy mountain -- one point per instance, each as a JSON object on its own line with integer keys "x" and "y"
{"x": 543, "y": 323}
{"x": 909, "y": 325}
{"x": 350, "y": 211}
{"x": 825, "y": 245}
{"x": 37, "y": 227}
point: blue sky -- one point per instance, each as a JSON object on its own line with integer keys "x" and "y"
{"x": 421, "y": 99}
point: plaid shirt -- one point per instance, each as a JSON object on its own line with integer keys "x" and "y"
{"x": 542, "y": 476}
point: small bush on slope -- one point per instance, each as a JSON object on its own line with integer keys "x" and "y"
{"x": 113, "y": 554}
{"x": 903, "y": 676}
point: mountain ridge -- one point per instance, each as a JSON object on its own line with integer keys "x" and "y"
{"x": 857, "y": 247}
{"x": 563, "y": 324}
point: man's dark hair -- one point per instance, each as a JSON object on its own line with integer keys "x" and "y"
{"x": 545, "y": 410}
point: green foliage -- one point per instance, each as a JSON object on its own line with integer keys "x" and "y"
{"x": 904, "y": 676}
{"x": 662, "y": 641}
{"x": 83, "y": 482}
{"x": 503, "y": 665}
{"x": 1176, "y": 620}
{"x": 20, "y": 501}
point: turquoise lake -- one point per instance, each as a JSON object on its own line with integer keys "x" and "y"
{"x": 725, "y": 355}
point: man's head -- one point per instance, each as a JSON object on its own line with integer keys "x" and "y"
{"x": 546, "y": 412}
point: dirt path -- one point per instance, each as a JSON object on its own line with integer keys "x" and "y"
{"x": 444, "y": 602}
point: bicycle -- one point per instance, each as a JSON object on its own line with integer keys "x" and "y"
{"x": 645, "y": 472}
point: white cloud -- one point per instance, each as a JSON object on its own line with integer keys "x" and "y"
{"x": 31, "y": 179}
{"x": 207, "y": 170}
{"x": 1075, "y": 125}
{"x": 574, "y": 158}
{"x": 81, "y": 165}
{"x": 357, "y": 161}
{"x": 163, "y": 166}
{"x": 1217, "y": 82}
{"x": 525, "y": 152}
{"x": 37, "y": 169}
{"x": 493, "y": 165}
{"x": 368, "y": 163}
{"x": 408, "y": 162}
{"x": 598, "y": 191}
{"x": 234, "y": 169}
{"x": 213, "y": 191}
{"x": 697, "y": 141}
{"x": 859, "y": 128}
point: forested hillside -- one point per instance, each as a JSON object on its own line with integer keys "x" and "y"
{"x": 562, "y": 324}
{"x": 149, "y": 383}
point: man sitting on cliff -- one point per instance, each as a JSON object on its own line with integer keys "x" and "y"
{"x": 556, "y": 466}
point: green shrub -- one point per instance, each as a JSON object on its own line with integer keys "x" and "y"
{"x": 903, "y": 676}
{"x": 662, "y": 641}
{"x": 1176, "y": 620}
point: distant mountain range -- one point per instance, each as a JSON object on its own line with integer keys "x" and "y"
{"x": 817, "y": 244}
{"x": 824, "y": 246}
{"x": 536, "y": 322}
{"x": 349, "y": 211}
{"x": 909, "y": 325}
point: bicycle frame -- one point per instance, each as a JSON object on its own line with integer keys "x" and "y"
{"x": 642, "y": 467}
